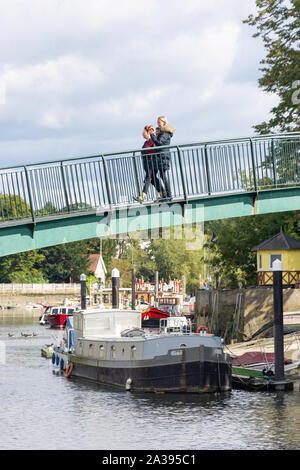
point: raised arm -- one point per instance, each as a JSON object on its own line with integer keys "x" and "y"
{"x": 163, "y": 139}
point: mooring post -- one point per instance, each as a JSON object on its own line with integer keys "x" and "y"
{"x": 156, "y": 288}
{"x": 133, "y": 279}
{"x": 278, "y": 320}
{"x": 115, "y": 276}
{"x": 83, "y": 291}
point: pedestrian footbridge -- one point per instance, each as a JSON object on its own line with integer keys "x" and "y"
{"x": 56, "y": 202}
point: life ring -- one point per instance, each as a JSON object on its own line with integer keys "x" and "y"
{"x": 69, "y": 370}
{"x": 201, "y": 328}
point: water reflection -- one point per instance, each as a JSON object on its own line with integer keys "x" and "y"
{"x": 44, "y": 410}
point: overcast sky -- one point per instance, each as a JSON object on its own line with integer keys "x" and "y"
{"x": 83, "y": 77}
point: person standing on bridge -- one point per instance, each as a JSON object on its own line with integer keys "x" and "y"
{"x": 149, "y": 164}
{"x": 163, "y": 137}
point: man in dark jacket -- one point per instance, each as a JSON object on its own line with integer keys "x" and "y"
{"x": 162, "y": 157}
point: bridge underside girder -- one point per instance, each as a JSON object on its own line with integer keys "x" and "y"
{"x": 141, "y": 220}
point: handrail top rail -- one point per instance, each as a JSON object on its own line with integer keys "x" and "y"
{"x": 176, "y": 146}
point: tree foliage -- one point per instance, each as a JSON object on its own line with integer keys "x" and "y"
{"x": 22, "y": 268}
{"x": 277, "y": 22}
{"x": 231, "y": 257}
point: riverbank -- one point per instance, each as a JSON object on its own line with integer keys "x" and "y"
{"x": 266, "y": 345}
{"x": 14, "y": 295}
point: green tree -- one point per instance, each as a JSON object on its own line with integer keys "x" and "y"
{"x": 22, "y": 268}
{"x": 65, "y": 261}
{"x": 277, "y": 22}
{"x": 231, "y": 257}
{"x": 13, "y": 207}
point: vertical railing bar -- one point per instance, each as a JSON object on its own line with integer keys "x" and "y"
{"x": 132, "y": 177}
{"x": 136, "y": 174}
{"x": 29, "y": 194}
{"x": 44, "y": 177}
{"x": 119, "y": 167}
{"x": 201, "y": 163}
{"x": 96, "y": 187}
{"x": 90, "y": 173}
{"x": 57, "y": 173}
{"x": 196, "y": 170}
{"x": 22, "y": 174}
{"x": 2, "y": 208}
{"x": 106, "y": 180}
{"x": 14, "y": 193}
{"x": 38, "y": 194}
{"x": 75, "y": 204}
{"x": 207, "y": 170}
{"x": 78, "y": 186}
{"x": 64, "y": 186}
{"x": 253, "y": 164}
{"x": 48, "y": 185}
{"x": 44, "y": 195}
{"x": 10, "y": 197}
{"x": 182, "y": 174}
{"x": 5, "y": 197}
{"x": 192, "y": 172}
{"x": 35, "y": 178}
{"x": 19, "y": 191}
{"x": 101, "y": 170}
{"x": 84, "y": 183}
{"x": 115, "y": 185}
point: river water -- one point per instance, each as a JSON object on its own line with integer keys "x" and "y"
{"x": 43, "y": 410}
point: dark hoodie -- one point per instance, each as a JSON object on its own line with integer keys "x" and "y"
{"x": 163, "y": 138}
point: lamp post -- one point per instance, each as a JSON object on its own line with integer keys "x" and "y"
{"x": 83, "y": 291}
{"x": 115, "y": 276}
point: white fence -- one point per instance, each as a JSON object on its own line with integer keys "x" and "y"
{"x": 40, "y": 288}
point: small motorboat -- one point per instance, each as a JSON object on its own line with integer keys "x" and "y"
{"x": 57, "y": 316}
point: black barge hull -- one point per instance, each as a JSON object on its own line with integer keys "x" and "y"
{"x": 194, "y": 377}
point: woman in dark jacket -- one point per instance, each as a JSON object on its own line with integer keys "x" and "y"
{"x": 163, "y": 137}
{"x": 149, "y": 165}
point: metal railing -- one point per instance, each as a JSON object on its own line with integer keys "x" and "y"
{"x": 83, "y": 184}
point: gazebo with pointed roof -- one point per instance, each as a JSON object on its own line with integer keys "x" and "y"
{"x": 284, "y": 248}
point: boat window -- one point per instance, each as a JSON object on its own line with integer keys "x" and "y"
{"x": 133, "y": 350}
{"x": 183, "y": 345}
{"x": 113, "y": 352}
{"x": 101, "y": 351}
{"x": 70, "y": 310}
{"x": 91, "y": 350}
{"x": 55, "y": 310}
{"x": 63, "y": 310}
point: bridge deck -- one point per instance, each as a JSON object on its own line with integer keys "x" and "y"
{"x": 54, "y": 202}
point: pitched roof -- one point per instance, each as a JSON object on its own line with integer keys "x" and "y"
{"x": 94, "y": 261}
{"x": 281, "y": 241}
